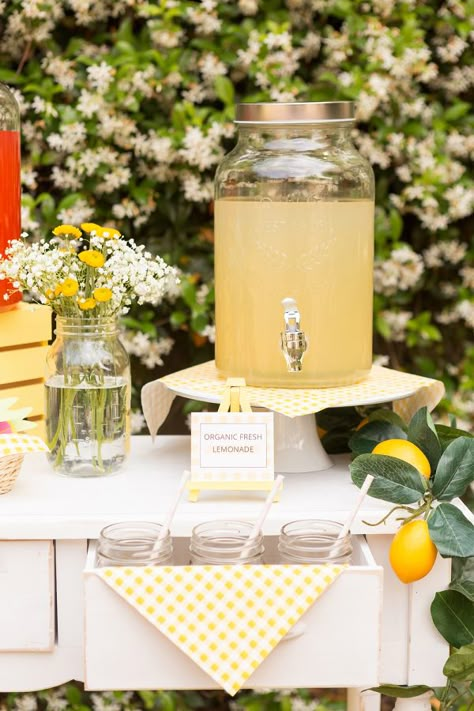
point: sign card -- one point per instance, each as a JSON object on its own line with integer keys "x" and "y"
{"x": 232, "y": 446}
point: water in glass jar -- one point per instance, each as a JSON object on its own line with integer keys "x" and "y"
{"x": 87, "y": 427}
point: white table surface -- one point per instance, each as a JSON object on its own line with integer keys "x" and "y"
{"x": 46, "y": 505}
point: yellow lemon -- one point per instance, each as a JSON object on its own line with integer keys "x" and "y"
{"x": 412, "y": 553}
{"x": 407, "y": 451}
{"x": 362, "y": 423}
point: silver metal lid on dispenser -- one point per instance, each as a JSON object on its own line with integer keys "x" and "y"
{"x": 295, "y": 112}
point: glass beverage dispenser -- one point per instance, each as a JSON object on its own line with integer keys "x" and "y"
{"x": 9, "y": 184}
{"x": 294, "y": 224}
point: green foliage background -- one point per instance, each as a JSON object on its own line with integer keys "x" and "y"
{"x": 127, "y": 109}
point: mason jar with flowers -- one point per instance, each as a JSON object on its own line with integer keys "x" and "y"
{"x": 89, "y": 276}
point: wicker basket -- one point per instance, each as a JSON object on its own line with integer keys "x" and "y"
{"x": 10, "y": 466}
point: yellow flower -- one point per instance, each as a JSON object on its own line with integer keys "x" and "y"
{"x": 70, "y": 287}
{"x": 110, "y": 233}
{"x": 58, "y": 289}
{"x": 102, "y": 294}
{"x": 50, "y": 294}
{"x": 92, "y": 258}
{"x": 86, "y": 304}
{"x": 67, "y": 230}
{"x": 91, "y": 227}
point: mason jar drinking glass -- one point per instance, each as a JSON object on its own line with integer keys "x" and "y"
{"x": 132, "y": 543}
{"x": 224, "y": 543}
{"x": 294, "y": 233}
{"x": 314, "y": 541}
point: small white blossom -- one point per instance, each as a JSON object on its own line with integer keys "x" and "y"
{"x": 397, "y": 322}
{"x": 400, "y": 272}
{"x": 137, "y": 421}
{"x": 100, "y": 76}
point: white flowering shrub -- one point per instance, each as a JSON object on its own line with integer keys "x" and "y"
{"x": 71, "y": 697}
{"x": 127, "y": 109}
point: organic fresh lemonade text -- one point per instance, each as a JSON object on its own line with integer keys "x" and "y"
{"x": 318, "y": 253}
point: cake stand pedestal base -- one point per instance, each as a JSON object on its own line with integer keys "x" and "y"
{"x": 297, "y": 445}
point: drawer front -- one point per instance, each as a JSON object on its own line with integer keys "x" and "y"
{"x": 339, "y": 644}
{"x": 26, "y": 596}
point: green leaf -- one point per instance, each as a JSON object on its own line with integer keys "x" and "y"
{"x": 364, "y": 440}
{"x": 453, "y": 618}
{"x": 465, "y": 587}
{"x": 455, "y": 469}
{"x": 401, "y": 692}
{"x": 451, "y": 532}
{"x": 448, "y": 434}
{"x": 387, "y": 415}
{"x": 396, "y": 224}
{"x": 395, "y": 480}
{"x": 224, "y": 90}
{"x": 177, "y": 318}
{"x": 460, "y": 665}
{"x": 457, "y": 111}
{"x": 463, "y": 576}
{"x": 421, "y": 431}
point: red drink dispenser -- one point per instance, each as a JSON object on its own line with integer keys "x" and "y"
{"x": 10, "y": 191}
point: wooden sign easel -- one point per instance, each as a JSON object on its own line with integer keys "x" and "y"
{"x": 234, "y": 400}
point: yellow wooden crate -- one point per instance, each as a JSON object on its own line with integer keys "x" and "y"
{"x": 24, "y": 335}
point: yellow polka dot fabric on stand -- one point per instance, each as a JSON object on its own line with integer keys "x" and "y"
{"x": 228, "y": 618}
{"x": 21, "y": 444}
{"x": 201, "y": 382}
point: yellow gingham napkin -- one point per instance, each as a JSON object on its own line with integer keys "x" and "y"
{"x": 382, "y": 385}
{"x": 21, "y": 444}
{"x": 226, "y": 618}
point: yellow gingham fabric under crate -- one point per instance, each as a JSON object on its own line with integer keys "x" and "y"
{"x": 227, "y": 618}
{"x": 21, "y": 444}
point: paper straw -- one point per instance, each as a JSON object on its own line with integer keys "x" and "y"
{"x": 362, "y": 493}
{"x": 167, "y": 523}
{"x": 257, "y": 526}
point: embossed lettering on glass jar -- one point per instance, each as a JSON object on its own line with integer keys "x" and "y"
{"x": 224, "y": 543}
{"x": 314, "y": 541}
{"x": 132, "y": 544}
{"x": 294, "y": 209}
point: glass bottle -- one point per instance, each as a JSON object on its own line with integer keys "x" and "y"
{"x": 10, "y": 190}
{"x": 87, "y": 397}
{"x": 131, "y": 543}
{"x": 224, "y": 543}
{"x": 314, "y": 541}
{"x": 294, "y": 232}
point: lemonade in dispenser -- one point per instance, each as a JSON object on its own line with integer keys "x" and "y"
{"x": 294, "y": 232}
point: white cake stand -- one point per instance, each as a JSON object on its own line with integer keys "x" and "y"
{"x": 297, "y": 444}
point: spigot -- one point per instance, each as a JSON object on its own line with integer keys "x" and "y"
{"x": 293, "y": 339}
